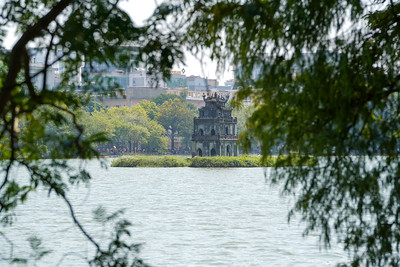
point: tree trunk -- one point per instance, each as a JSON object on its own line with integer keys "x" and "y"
{"x": 172, "y": 140}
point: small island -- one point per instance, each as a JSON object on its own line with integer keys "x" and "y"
{"x": 212, "y": 162}
{"x": 214, "y": 144}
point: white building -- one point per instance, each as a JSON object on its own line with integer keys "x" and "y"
{"x": 139, "y": 78}
{"x": 54, "y": 72}
{"x": 36, "y": 70}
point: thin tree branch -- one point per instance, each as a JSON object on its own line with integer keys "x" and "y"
{"x": 5, "y": 128}
{"x": 66, "y": 200}
{"x": 70, "y": 254}
{"x": 28, "y": 78}
{"x": 6, "y": 177}
{"x": 12, "y": 146}
{"x": 46, "y": 66}
{"x": 46, "y": 60}
{"x": 393, "y": 11}
{"x": 41, "y": 71}
{"x": 11, "y": 246}
{"x": 14, "y": 65}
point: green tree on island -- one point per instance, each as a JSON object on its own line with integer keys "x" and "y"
{"x": 176, "y": 117}
{"x": 150, "y": 107}
{"x": 127, "y": 125}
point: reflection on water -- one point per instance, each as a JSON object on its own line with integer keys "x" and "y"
{"x": 183, "y": 217}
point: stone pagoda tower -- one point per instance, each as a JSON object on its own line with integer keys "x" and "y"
{"x": 215, "y": 132}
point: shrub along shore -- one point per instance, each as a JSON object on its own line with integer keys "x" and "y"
{"x": 211, "y": 162}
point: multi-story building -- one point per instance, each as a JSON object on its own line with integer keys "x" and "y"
{"x": 177, "y": 80}
{"x": 54, "y": 70}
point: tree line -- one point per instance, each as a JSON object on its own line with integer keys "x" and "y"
{"x": 150, "y": 127}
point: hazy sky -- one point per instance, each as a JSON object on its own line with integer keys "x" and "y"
{"x": 140, "y": 10}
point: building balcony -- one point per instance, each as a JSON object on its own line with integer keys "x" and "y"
{"x": 217, "y": 119}
{"x": 214, "y": 137}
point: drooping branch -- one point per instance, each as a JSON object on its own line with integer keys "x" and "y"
{"x": 61, "y": 193}
{"x": 11, "y": 246}
{"x": 36, "y": 74}
{"x": 11, "y": 130}
{"x": 46, "y": 60}
{"x": 28, "y": 79}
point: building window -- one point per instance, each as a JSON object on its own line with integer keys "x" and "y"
{"x": 226, "y": 130}
{"x": 213, "y": 152}
{"x": 212, "y": 132}
{"x": 201, "y": 132}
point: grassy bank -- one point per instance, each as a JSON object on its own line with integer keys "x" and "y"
{"x": 218, "y": 162}
{"x": 151, "y": 161}
{"x": 241, "y": 161}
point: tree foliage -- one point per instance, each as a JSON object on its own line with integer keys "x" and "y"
{"x": 241, "y": 112}
{"x": 324, "y": 79}
{"x": 150, "y": 107}
{"x": 125, "y": 124}
{"x": 160, "y": 99}
{"x": 176, "y": 117}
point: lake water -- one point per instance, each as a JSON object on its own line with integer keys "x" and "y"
{"x": 183, "y": 217}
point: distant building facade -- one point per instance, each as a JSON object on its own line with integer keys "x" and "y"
{"x": 37, "y": 64}
{"x": 37, "y": 76}
{"x": 196, "y": 83}
{"x": 177, "y": 80}
{"x": 215, "y": 131}
{"x": 212, "y": 83}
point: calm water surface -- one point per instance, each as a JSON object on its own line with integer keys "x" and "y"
{"x": 183, "y": 217}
